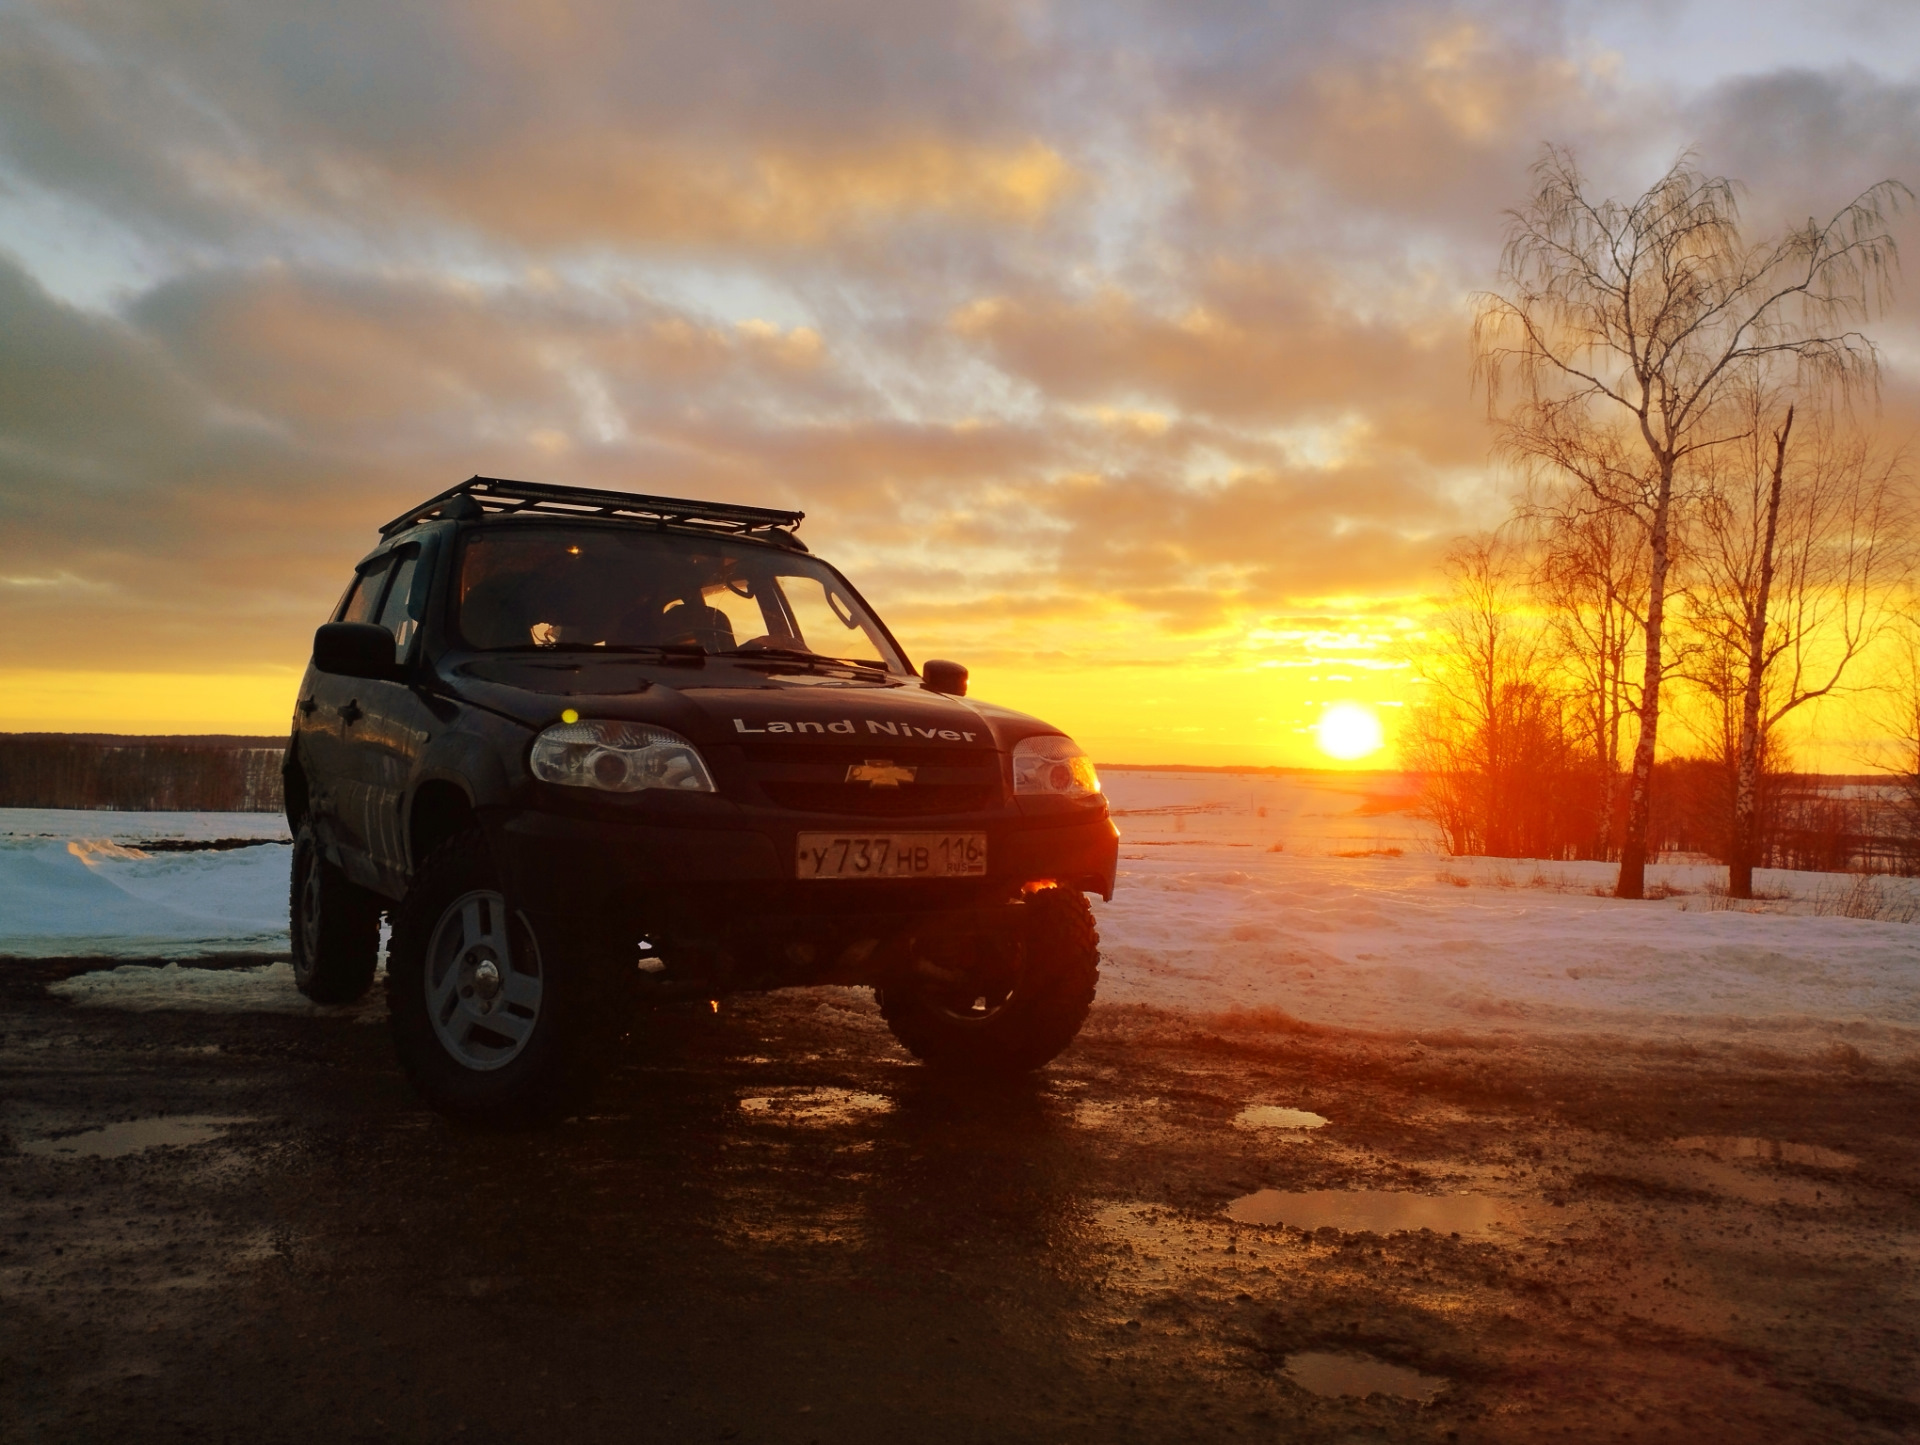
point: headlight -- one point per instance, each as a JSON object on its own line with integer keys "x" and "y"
{"x": 1053, "y": 767}
{"x": 618, "y": 757}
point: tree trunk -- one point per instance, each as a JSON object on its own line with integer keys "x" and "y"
{"x": 1632, "y": 882}
{"x": 1746, "y": 793}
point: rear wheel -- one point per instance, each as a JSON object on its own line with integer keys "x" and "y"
{"x": 999, "y": 1007}
{"x": 334, "y": 925}
{"x": 487, "y": 1021}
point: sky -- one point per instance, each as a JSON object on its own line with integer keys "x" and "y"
{"x": 1118, "y": 350}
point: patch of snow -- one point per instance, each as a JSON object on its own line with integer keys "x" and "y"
{"x": 266, "y": 989}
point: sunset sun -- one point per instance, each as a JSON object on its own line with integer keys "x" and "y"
{"x": 1349, "y": 732}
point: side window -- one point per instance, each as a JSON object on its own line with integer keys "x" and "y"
{"x": 827, "y": 622}
{"x": 401, "y": 613}
{"x": 363, "y": 602}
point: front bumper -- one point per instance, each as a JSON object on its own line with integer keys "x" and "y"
{"x": 730, "y": 884}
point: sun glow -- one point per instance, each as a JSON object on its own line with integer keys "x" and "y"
{"x": 1349, "y": 731}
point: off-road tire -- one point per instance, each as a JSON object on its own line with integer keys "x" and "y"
{"x": 1058, "y": 972}
{"x": 334, "y": 925}
{"x": 554, "y": 1068}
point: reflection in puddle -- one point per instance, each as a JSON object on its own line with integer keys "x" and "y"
{"x": 1359, "y": 1375}
{"x": 114, "y": 1140}
{"x": 815, "y": 1106}
{"x": 1355, "y": 1211}
{"x": 1272, "y": 1116}
{"x": 1731, "y": 1148}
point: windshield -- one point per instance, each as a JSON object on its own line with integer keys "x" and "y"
{"x": 573, "y": 587}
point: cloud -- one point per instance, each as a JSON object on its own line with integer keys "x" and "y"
{"x": 1807, "y": 142}
{"x": 1135, "y": 332}
{"x": 547, "y": 124}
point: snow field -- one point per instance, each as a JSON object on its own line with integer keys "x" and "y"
{"x": 1353, "y": 923}
{"x": 1208, "y": 919}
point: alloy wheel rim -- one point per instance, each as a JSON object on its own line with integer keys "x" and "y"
{"x": 972, "y": 994}
{"x": 483, "y": 981}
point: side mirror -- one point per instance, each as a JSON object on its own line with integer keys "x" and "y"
{"x": 948, "y": 677}
{"x": 356, "y": 649}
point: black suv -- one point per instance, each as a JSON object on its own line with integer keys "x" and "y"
{"x": 592, "y": 750}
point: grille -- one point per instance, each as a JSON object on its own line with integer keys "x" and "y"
{"x": 914, "y": 800}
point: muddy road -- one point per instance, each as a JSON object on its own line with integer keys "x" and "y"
{"x": 774, "y": 1227}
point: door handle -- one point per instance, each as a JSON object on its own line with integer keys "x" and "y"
{"x": 307, "y": 705}
{"x": 351, "y": 713}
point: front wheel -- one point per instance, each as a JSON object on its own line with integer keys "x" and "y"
{"x": 485, "y": 1018}
{"x": 334, "y": 926}
{"x": 1001, "y": 1007}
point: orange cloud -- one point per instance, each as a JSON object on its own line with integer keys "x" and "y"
{"x": 614, "y": 185}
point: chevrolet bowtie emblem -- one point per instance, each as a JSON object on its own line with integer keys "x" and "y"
{"x": 880, "y": 774}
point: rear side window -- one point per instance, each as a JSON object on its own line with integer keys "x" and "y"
{"x": 400, "y": 614}
{"x": 363, "y": 598}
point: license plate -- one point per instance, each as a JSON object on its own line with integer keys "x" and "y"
{"x": 892, "y": 855}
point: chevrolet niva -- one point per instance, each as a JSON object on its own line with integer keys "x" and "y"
{"x": 591, "y": 751}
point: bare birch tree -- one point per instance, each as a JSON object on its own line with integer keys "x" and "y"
{"x": 1589, "y": 578}
{"x": 1796, "y": 546}
{"x": 1622, "y": 330}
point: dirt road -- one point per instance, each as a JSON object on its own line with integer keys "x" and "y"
{"x": 776, "y": 1228}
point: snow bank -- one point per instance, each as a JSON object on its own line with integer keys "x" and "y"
{"x": 77, "y": 884}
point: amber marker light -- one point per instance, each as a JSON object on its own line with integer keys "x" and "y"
{"x": 568, "y": 715}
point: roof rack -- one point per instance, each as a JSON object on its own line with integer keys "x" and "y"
{"x": 501, "y": 496}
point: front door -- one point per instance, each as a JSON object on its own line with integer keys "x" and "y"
{"x": 330, "y": 714}
{"x": 396, "y": 724}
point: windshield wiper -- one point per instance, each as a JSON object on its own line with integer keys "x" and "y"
{"x": 794, "y": 654}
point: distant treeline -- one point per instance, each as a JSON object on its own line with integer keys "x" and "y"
{"x": 209, "y": 774}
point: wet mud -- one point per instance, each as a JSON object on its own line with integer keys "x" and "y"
{"x": 774, "y": 1226}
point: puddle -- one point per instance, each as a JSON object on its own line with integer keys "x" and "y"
{"x": 1359, "y": 1375}
{"x": 115, "y": 1140}
{"x": 1354, "y": 1211}
{"x": 1733, "y": 1149}
{"x": 1272, "y": 1116}
{"x": 815, "y": 1106}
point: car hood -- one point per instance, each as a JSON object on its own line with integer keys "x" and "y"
{"x": 718, "y": 704}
